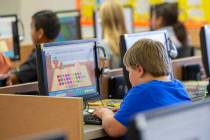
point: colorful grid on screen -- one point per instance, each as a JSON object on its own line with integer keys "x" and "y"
{"x": 69, "y": 79}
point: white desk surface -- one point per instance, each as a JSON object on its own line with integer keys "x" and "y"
{"x": 93, "y": 132}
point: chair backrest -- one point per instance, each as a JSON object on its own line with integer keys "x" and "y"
{"x": 178, "y": 64}
{"x": 185, "y": 51}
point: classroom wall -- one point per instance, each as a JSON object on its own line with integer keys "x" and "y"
{"x": 9, "y": 6}
{"x": 26, "y": 8}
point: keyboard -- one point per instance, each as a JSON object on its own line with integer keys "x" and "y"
{"x": 196, "y": 89}
{"x": 90, "y": 119}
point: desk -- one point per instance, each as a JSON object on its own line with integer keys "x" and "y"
{"x": 93, "y": 132}
{"x": 20, "y": 88}
{"x": 96, "y": 131}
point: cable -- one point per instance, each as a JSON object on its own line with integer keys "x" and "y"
{"x": 21, "y": 37}
{"x": 101, "y": 69}
{"x": 172, "y": 49}
{"x": 103, "y": 50}
{"x": 172, "y": 53}
{"x": 102, "y": 103}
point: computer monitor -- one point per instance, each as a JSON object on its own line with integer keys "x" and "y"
{"x": 9, "y": 38}
{"x": 70, "y": 25}
{"x": 180, "y": 122}
{"x": 68, "y": 69}
{"x": 127, "y": 41}
{"x": 205, "y": 48}
{"x": 128, "y": 12}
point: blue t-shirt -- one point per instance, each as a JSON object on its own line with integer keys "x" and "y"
{"x": 150, "y": 95}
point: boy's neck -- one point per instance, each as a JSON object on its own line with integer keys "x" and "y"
{"x": 149, "y": 77}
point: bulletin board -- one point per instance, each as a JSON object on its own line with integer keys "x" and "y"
{"x": 193, "y": 12}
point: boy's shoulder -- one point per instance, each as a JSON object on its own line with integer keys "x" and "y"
{"x": 155, "y": 84}
{"x": 173, "y": 82}
{"x": 140, "y": 89}
{"x": 158, "y": 91}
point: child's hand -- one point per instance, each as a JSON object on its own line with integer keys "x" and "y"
{"x": 115, "y": 109}
{"x": 100, "y": 111}
{"x": 12, "y": 79}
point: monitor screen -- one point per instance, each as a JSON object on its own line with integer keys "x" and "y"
{"x": 70, "y": 25}
{"x": 130, "y": 39}
{"x": 68, "y": 69}
{"x": 128, "y": 12}
{"x": 9, "y": 40}
{"x": 127, "y": 41}
{"x": 205, "y": 48}
{"x": 183, "y": 122}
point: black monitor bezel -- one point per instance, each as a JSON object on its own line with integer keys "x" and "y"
{"x": 42, "y": 79}
{"x": 78, "y": 17}
{"x": 123, "y": 50}
{"x": 204, "y": 50}
{"x": 16, "y": 42}
{"x": 95, "y": 24}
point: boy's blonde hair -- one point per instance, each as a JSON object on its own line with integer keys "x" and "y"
{"x": 151, "y": 55}
{"x": 113, "y": 23}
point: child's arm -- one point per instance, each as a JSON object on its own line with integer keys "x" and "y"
{"x": 112, "y": 127}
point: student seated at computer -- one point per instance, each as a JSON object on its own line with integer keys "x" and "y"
{"x": 113, "y": 25}
{"x": 149, "y": 72}
{"x": 165, "y": 16}
{"x": 45, "y": 27}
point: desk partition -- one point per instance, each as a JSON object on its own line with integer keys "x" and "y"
{"x": 26, "y": 115}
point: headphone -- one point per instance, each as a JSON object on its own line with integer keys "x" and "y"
{"x": 101, "y": 70}
{"x": 172, "y": 51}
{"x": 22, "y": 35}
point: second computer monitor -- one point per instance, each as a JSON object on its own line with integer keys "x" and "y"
{"x": 127, "y": 41}
{"x": 68, "y": 69}
{"x": 205, "y": 48}
{"x": 183, "y": 122}
{"x": 9, "y": 38}
{"x": 70, "y": 25}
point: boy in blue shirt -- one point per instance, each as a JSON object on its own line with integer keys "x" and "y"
{"x": 149, "y": 68}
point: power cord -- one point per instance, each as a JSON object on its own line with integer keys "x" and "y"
{"x": 21, "y": 37}
{"x": 105, "y": 58}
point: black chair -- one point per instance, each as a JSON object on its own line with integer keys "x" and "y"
{"x": 117, "y": 87}
{"x": 185, "y": 51}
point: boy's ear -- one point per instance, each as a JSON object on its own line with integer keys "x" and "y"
{"x": 140, "y": 70}
{"x": 40, "y": 34}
